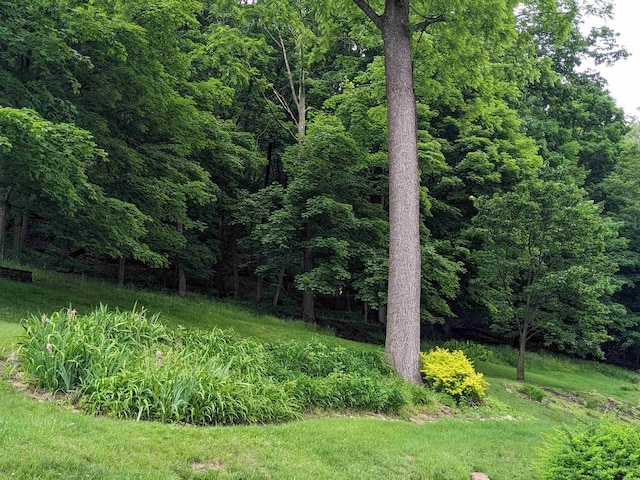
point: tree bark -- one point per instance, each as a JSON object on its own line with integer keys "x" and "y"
{"x": 402, "y": 343}
{"x": 182, "y": 275}
{"x": 403, "y": 309}
{"x": 3, "y": 231}
{"x": 122, "y": 268}
{"x": 276, "y": 296}
{"x": 308, "y": 300}
{"x": 234, "y": 267}
{"x": 20, "y": 226}
{"x": 259, "y": 290}
{"x": 521, "y": 351}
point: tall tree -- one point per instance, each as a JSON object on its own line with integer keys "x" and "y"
{"x": 43, "y": 172}
{"x": 403, "y": 309}
{"x": 545, "y": 270}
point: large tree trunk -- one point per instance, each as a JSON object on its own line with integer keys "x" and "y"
{"x": 403, "y": 308}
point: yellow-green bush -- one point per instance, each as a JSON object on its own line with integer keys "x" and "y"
{"x": 453, "y": 373}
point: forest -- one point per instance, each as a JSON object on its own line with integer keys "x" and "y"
{"x": 240, "y": 149}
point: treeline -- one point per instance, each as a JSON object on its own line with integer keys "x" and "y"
{"x": 240, "y": 148}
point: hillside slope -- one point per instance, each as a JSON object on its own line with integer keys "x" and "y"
{"x": 49, "y": 439}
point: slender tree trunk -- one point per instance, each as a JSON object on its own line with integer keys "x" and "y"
{"x": 122, "y": 268}
{"x": 182, "y": 281}
{"x": 276, "y": 296}
{"x": 366, "y": 312}
{"x": 182, "y": 275}
{"x": 308, "y": 300}
{"x": 523, "y": 335}
{"x": 447, "y": 328}
{"x": 259, "y": 290}
{"x": 403, "y": 308}
{"x": 3, "y": 223}
{"x": 521, "y": 351}
{"x": 234, "y": 261}
{"x": 302, "y": 108}
{"x": 382, "y": 314}
{"x": 20, "y": 226}
{"x": 267, "y": 171}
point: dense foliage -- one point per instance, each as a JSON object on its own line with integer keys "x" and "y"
{"x": 127, "y": 364}
{"x": 608, "y": 451}
{"x": 240, "y": 149}
{"x": 452, "y": 373}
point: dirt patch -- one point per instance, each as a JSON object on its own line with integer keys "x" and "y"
{"x": 208, "y": 466}
{"x": 564, "y": 396}
{"x": 16, "y": 378}
{"x": 421, "y": 418}
{"x": 596, "y": 403}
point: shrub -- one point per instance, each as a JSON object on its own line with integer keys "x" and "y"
{"x": 328, "y": 376}
{"x": 318, "y": 359}
{"x": 476, "y": 352}
{"x": 341, "y": 390}
{"x": 609, "y": 451}
{"x": 452, "y": 373}
{"x": 534, "y": 393}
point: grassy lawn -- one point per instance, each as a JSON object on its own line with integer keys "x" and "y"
{"x": 45, "y": 440}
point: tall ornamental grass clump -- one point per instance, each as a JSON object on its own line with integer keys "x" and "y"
{"x": 127, "y": 364}
{"x": 609, "y": 451}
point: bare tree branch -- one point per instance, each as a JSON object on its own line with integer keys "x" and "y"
{"x": 285, "y": 57}
{"x": 285, "y": 105}
{"x": 366, "y": 8}
{"x": 268, "y": 103}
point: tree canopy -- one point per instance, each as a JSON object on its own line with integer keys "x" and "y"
{"x": 397, "y": 166}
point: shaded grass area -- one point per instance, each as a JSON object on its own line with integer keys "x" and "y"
{"x": 52, "y": 291}
{"x": 44, "y": 440}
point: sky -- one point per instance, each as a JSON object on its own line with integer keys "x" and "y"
{"x": 624, "y": 76}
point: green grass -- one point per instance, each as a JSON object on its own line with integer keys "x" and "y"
{"x": 45, "y": 440}
{"x": 51, "y": 292}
